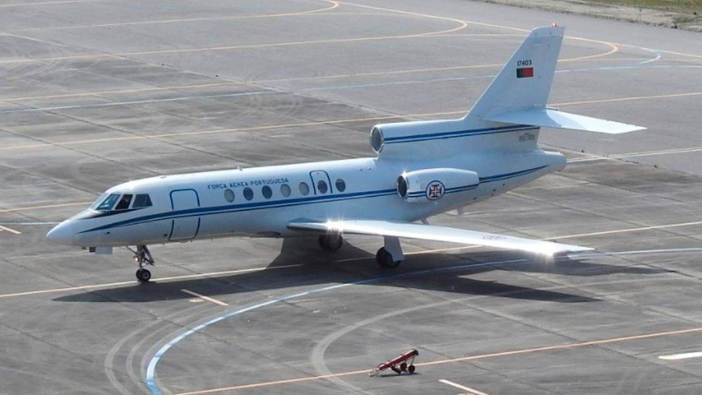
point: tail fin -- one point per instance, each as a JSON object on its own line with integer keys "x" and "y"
{"x": 525, "y": 81}
{"x": 519, "y": 93}
{"x": 507, "y": 116}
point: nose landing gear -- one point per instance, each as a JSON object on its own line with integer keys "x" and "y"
{"x": 142, "y": 256}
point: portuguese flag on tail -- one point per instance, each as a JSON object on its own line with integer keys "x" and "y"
{"x": 525, "y": 72}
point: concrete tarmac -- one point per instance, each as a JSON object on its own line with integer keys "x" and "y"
{"x": 98, "y": 92}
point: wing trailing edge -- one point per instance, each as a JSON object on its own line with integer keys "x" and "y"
{"x": 436, "y": 233}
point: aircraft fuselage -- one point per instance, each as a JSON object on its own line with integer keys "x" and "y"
{"x": 197, "y": 206}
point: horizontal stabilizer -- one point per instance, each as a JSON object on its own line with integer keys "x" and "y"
{"x": 562, "y": 120}
{"x": 436, "y": 233}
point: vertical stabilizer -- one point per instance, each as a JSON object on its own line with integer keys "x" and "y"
{"x": 525, "y": 81}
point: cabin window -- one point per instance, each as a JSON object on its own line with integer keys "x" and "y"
{"x": 109, "y": 201}
{"x": 322, "y": 187}
{"x": 248, "y": 193}
{"x": 229, "y": 195}
{"x": 267, "y": 192}
{"x": 340, "y": 185}
{"x": 304, "y": 188}
{"x": 124, "y": 202}
{"x": 285, "y": 190}
{"x": 141, "y": 200}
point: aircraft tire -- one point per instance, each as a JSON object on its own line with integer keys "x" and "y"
{"x": 384, "y": 259}
{"x": 331, "y": 243}
{"x": 143, "y": 275}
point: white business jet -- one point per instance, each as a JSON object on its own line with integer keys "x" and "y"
{"x": 422, "y": 168}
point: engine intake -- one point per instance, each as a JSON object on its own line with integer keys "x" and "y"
{"x": 428, "y": 185}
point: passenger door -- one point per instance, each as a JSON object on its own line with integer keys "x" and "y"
{"x": 187, "y": 223}
{"x": 321, "y": 183}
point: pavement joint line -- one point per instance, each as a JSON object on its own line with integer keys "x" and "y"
{"x": 6, "y": 229}
{"x": 134, "y": 102}
{"x": 462, "y": 24}
{"x": 165, "y": 279}
{"x": 607, "y": 232}
{"x": 52, "y": 3}
{"x": 563, "y": 346}
{"x": 522, "y": 30}
{"x": 29, "y": 223}
{"x": 677, "y": 357}
{"x": 160, "y": 280}
{"x": 118, "y": 91}
{"x": 206, "y": 298}
{"x": 151, "y": 380}
{"x": 327, "y": 122}
{"x": 12, "y": 210}
{"x": 468, "y": 390}
{"x": 334, "y": 5}
{"x": 30, "y": 109}
{"x": 671, "y": 151}
{"x": 245, "y": 82}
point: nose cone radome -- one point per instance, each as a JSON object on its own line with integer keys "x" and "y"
{"x": 61, "y": 233}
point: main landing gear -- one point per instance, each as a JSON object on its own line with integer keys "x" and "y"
{"x": 391, "y": 255}
{"x": 331, "y": 242}
{"x": 142, "y": 256}
{"x": 388, "y": 257}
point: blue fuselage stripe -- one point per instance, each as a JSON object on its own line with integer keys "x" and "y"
{"x": 202, "y": 211}
{"x": 458, "y": 133}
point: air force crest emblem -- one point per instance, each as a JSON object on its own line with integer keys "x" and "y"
{"x": 435, "y": 190}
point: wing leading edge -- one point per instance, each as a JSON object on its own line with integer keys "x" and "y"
{"x": 436, "y": 233}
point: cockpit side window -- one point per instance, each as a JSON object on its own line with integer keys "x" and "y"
{"x": 141, "y": 200}
{"x": 108, "y": 202}
{"x": 124, "y": 202}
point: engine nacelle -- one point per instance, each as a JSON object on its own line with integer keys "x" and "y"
{"x": 414, "y": 140}
{"x": 429, "y": 185}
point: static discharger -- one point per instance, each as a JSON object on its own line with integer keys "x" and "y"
{"x": 403, "y": 363}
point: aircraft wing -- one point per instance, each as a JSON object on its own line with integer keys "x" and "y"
{"x": 436, "y": 233}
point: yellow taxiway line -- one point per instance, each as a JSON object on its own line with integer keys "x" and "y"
{"x": 317, "y": 123}
{"x": 6, "y": 229}
{"x": 333, "y": 5}
{"x": 30, "y": 208}
{"x": 160, "y": 280}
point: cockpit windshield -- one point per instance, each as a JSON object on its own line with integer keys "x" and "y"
{"x": 119, "y": 202}
{"x": 107, "y": 202}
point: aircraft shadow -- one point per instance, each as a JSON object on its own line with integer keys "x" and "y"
{"x": 439, "y": 273}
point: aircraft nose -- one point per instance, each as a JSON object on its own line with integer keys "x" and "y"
{"x": 61, "y": 233}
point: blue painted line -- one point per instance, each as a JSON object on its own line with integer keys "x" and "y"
{"x": 458, "y": 133}
{"x": 501, "y": 177}
{"x": 203, "y": 211}
{"x": 151, "y": 368}
{"x": 447, "y": 190}
{"x": 244, "y": 207}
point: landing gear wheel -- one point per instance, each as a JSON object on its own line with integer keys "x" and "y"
{"x": 142, "y": 256}
{"x": 143, "y": 275}
{"x": 331, "y": 242}
{"x": 384, "y": 259}
{"x": 411, "y": 369}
